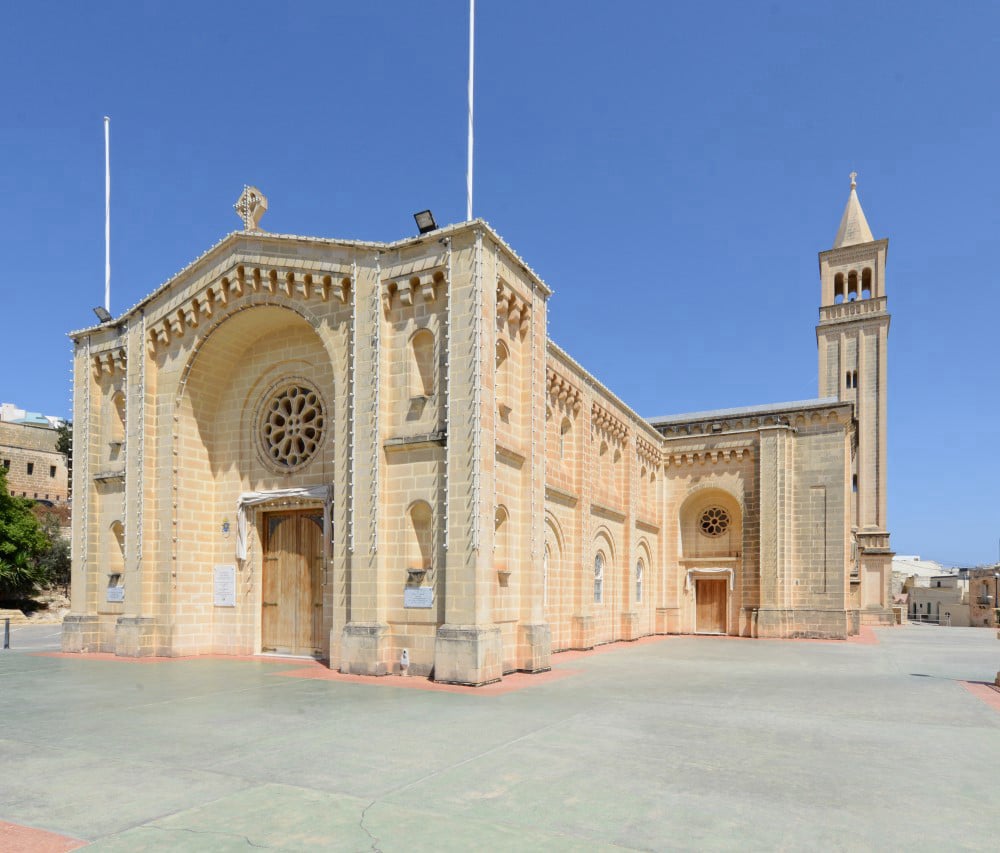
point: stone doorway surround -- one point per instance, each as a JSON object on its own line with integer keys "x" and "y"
{"x": 694, "y": 579}
{"x": 291, "y": 583}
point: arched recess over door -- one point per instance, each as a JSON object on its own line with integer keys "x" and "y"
{"x": 711, "y": 535}
{"x": 254, "y": 411}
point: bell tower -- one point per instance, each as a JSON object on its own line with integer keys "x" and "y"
{"x": 852, "y": 337}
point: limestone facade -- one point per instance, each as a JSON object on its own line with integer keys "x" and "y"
{"x": 418, "y": 468}
{"x": 35, "y": 468}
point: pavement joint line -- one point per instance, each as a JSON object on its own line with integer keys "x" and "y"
{"x": 361, "y": 824}
{"x": 197, "y": 832}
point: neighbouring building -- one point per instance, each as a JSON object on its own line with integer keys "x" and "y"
{"x": 943, "y": 601}
{"x": 35, "y": 467}
{"x": 348, "y": 449}
{"x": 984, "y": 586}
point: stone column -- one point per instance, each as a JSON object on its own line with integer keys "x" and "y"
{"x": 364, "y": 647}
{"x": 468, "y": 648}
{"x": 775, "y": 539}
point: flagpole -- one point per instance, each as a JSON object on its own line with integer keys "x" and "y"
{"x": 107, "y": 213}
{"x": 472, "y": 66}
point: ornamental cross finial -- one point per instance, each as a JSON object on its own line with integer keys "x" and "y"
{"x": 854, "y": 181}
{"x": 250, "y": 207}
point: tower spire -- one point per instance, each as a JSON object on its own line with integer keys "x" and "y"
{"x": 853, "y": 225}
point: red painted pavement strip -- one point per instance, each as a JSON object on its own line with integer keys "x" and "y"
{"x": 989, "y": 693}
{"x": 15, "y": 838}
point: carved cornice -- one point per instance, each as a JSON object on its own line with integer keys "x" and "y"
{"x": 513, "y": 309}
{"x": 607, "y": 424}
{"x": 646, "y": 452}
{"x": 240, "y": 281}
{"x": 111, "y": 361}
{"x": 409, "y": 289}
{"x": 562, "y": 392}
{"x": 706, "y": 457}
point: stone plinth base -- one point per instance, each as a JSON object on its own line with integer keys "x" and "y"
{"x": 468, "y": 654}
{"x": 794, "y": 623}
{"x": 534, "y": 647}
{"x": 135, "y": 636}
{"x": 877, "y": 617}
{"x": 583, "y": 633}
{"x": 668, "y": 620}
{"x": 80, "y": 633}
{"x": 630, "y": 626}
{"x": 364, "y": 648}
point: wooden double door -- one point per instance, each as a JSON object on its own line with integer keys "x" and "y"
{"x": 710, "y": 606}
{"x": 292, "y": 588}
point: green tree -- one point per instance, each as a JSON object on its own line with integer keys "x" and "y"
{"x": 64, "y": 445}
{"x": 22, "y": 542}
{"x": 54, "y": 562}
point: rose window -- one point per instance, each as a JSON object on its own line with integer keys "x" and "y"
{"x": 714, "y": 521}
{"x": 291, "y": 426}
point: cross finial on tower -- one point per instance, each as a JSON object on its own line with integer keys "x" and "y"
{"x": 854, "y": 180}
{"x": 250, "y": 207}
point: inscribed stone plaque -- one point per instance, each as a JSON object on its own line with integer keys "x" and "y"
{"x": 418, "y": 596}
{"x": 116, "y": 593}
{"x": 225, "y": 586}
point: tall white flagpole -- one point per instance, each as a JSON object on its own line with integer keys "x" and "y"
{"x": 472, "y": 66}
{"x": 107, "y": 213}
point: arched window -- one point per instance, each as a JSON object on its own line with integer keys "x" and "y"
{"x": 638, "y": 581}
{"x": 422, "y": 364}
{"x": 852, "y": 286}
{"x": 866, "y": 283}
{"x": 838, "y": 288}
{"x": 599, "y": 578}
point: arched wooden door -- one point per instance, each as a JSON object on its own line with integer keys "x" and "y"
{"x": 292, "y": 600}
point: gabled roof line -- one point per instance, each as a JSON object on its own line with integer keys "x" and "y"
{"x": 235, "y": 236}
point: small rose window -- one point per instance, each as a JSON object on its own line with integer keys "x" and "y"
{"x": 714, "y": 521}
{"x": 291, "y": 425}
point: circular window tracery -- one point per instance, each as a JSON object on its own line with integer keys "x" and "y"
{"x": 714, "y": 521}
{"x": 291, "y": 425}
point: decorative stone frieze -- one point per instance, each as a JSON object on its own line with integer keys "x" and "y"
{"x": 608, "y": 425}
{"x": 646, "y": 452}
{"x": 110, "y": 361}
{"x": 239, "y": 282}
{"x": 513, "y": 309}
{"x": 706, "y": 457}
{"x": 408, "y": 290}
{"x": 562, "y": 393}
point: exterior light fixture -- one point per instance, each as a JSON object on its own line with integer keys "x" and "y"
{"x": 425, "y": 221}
{"x": 103, "y": 314}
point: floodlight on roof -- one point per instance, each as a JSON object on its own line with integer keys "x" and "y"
{"x": 103, "y": 314}
{"x": 425, "y": 221}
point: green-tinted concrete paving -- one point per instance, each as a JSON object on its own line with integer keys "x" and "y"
{"x": 687, "y": 743}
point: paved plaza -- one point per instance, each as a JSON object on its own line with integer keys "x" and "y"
{"x": 671, "y": 743}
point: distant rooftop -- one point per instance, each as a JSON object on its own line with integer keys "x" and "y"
{"x": 12, "y": 414}
{"x": 743, "y": 411}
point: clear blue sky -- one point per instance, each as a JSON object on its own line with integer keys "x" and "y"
{"x": 670, "y": 169}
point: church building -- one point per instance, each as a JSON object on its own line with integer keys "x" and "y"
{"x": 372, "y": 454}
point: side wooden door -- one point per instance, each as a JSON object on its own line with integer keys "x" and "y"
{"x": 710, "y": 605}
{"x": 291, "y": 603}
